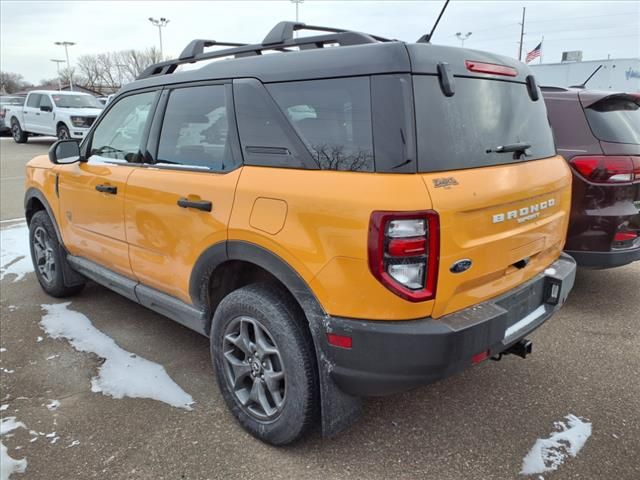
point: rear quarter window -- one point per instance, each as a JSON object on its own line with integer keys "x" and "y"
{"x": 615, "y": 119}
{"x": 333, "y": 119}
{"x": 462, "y": 131}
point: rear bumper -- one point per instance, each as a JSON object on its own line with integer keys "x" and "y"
{"x": 611, "y": 259}
{"x": 392, "y": 356}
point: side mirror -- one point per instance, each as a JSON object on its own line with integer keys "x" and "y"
{"x": 64, "y": 152}
{"x": 45, "y": 108}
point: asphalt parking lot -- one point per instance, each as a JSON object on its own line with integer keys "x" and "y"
{"x": 479, "y": 424}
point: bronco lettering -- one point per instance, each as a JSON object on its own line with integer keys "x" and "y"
{"x": 524, "y": 214}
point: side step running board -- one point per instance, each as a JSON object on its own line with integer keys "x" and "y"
{"x": 159, "y": 302}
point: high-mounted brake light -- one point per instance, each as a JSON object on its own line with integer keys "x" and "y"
{"x": 608, "y": 169}
{"x": 404, "y": 249}
{"x": 491, "y": 68}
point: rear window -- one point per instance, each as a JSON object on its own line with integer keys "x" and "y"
{"x": 464, "y": 130}
{"x": 615, "y": 119}
{"x": 333, "y": 118}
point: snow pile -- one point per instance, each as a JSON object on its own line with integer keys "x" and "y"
{"x": 9, "y": 424}
{"x": 10, "y": 465}
{"x": 15, "y": 256}
{"x": 123, "y": 374}
{"x": 548, "y": 454}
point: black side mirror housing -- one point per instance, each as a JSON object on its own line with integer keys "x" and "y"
{"x": 64, "y": 152}
{"x": 45, "y": 108}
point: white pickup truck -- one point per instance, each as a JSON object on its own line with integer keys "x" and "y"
{"x": 49, "y": 112}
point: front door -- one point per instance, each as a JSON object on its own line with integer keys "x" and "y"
{"x": 180, "y": 205}
{"x": 92, "y": 193}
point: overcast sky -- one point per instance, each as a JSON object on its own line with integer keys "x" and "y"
{"x": 28, "y": 29}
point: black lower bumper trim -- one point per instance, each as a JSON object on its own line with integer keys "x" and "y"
{"x": 393, "y": 356}
{"x": 611, "y": 259}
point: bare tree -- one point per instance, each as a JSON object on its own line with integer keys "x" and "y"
{"x": 63, "y": 80}
{"x": 110, "y": 70}
{"x": 12, "y": 82}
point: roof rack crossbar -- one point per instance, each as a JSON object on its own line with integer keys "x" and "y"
{"x": 196, "y": 47}
{"x": 283, "y": 32}
{"x": 194, "y": 52}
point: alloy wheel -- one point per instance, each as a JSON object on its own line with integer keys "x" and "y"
{"x": 15, "y": 131}
{"x": 254, "y": 369}
{"x": 44, "y": 254}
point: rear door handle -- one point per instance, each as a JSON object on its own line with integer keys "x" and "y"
{"x": 107, "y": 189}
{"x": 204, "y": 205}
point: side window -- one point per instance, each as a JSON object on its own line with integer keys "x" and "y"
{"x": 195, "y": 129}
{"x": 45, "y": 101}
{"x": 119, "y": 134}
{"x": 34, "y": 100}
{"x": 266, "y": 136}
{"x": 333, "y": 118}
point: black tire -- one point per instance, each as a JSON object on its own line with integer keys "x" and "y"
{"x": 274, "y": 311}
{"x": 48, "y": 257}
{"x": 63, "y": 132}
{"x": 19, "y": 135}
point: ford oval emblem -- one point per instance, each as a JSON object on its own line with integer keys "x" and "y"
{"x": 461, "y": 266}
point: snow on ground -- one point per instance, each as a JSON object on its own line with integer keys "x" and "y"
{"x": 10, "y": 465}
{"x": 9, "y": 424}
{"x": 15, "y": 257}
{"x": 53, "y": 405}
{"x": 123, "y": 374}
{"x": 547, "y": 454}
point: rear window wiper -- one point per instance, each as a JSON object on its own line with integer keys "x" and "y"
{"x": 520, "y": 147}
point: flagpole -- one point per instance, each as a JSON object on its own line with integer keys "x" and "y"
{"x": 541, "y": 44}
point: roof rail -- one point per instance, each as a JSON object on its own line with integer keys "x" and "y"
{"x": 280, "y": 38}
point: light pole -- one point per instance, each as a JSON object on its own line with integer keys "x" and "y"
{"x": 297, "y": 2}
{"x": 58, "y": 62}
{"x": 462, "y": 38}
{"x": 159, "y": 22}
{"x": 66, "y": 46}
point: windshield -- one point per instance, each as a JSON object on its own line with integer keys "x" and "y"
{"x": 12, "y": 100}
{"x": 76, "y": 101}
{"x": 486, "y": 122}
{"x": 615, "y": 119}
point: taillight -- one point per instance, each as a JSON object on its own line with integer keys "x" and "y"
{"x": 492, "y": 68}
{"x": 3, "y": 112}
{"x": 608, "y": 169}
{"x": 404, "y": 251}
{"x": 624, "y": 236}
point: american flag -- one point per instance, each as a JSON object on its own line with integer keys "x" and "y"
{"x": 533, "y": 54}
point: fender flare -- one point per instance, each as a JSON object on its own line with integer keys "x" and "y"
{"x": 33, "y": 193}
{"x": 70, "y": 276}
{"x": 338, "y": 410}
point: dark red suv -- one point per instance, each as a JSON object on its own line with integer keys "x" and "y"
{"x": 599, "y": 134}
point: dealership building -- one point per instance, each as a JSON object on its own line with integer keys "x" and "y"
{"x": 621, "y": 74}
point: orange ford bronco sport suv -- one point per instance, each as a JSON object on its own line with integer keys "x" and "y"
{"x": 340, "y": 222}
